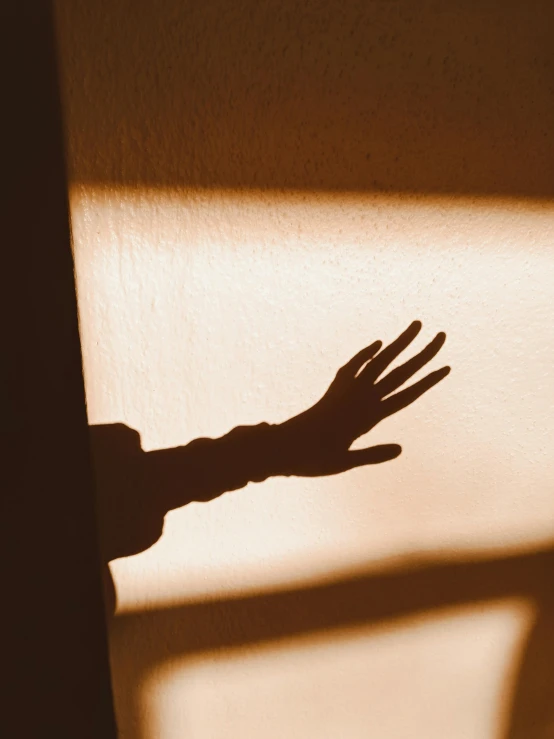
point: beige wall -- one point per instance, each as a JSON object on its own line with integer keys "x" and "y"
{"x": 233, "y": 248}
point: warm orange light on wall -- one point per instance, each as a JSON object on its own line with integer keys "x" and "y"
{"x": 204, "y": 309}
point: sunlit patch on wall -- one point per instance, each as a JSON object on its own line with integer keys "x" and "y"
{"x": 204, "y": 309}
{"x": 449, "y": 673}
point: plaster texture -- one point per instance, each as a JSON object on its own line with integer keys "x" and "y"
{"x": 200, "y": 311}
{"x": 258, "y": 193}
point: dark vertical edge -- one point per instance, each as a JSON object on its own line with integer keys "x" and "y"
{"x": 55, "y": 668}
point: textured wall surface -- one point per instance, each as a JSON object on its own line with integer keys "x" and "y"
{"x": 322, "y": 94}
{"x": 397, "y": 601}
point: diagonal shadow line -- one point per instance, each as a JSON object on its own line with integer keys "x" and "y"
{"x": 136, "y": 489}
{"x": 373, "y": 599}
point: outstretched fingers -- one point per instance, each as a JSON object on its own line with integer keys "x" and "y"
{"x": 378, "y": 365}
{"x": 400, "y": 400}
{"x": 401, "y": 374}
{"x": 353, "y": 366}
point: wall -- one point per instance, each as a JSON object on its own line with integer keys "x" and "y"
{"x": 258, "y": 192}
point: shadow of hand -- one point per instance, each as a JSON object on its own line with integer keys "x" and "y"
{"x": 135, "y": 489}
{"x": 319, "y": 440}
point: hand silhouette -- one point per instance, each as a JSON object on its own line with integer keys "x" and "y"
{"x": 318, "y": 441}
{"x": 135, "y": 489}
